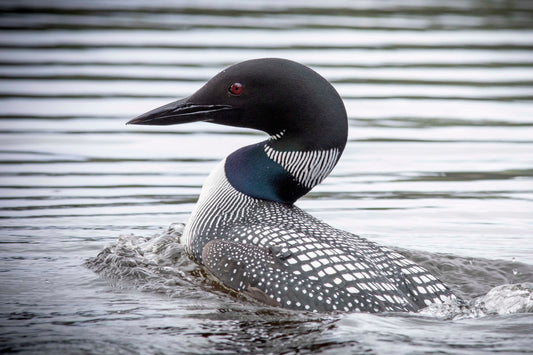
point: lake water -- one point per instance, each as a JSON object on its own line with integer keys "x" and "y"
{"x": 439, "y": 164}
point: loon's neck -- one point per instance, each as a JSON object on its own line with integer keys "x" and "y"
{"x": 281, "y": 169}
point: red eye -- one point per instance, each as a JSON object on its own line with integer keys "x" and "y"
{"x": 235, "y": 89}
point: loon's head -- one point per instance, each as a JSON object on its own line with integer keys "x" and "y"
{"x": 277, "y": 96}
{"x": 297, "y": 107}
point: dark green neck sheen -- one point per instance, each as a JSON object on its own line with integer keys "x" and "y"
{"x": 250, "y": 171}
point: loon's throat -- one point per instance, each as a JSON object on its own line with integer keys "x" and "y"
{"x": 268, "y": 171}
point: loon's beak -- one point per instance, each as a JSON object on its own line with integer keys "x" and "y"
{"x": 181, "y": 111}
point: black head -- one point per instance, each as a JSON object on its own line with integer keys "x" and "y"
{"x": 271, "y": 95}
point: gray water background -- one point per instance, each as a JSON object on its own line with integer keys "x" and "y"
{"x": 439, "y": 163}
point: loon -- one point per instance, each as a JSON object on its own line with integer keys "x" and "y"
{"x": 245, "y": 229}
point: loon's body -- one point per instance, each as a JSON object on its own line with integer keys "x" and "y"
{"x": 245, "y": 228}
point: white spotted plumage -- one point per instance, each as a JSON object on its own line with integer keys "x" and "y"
{"x": 298, "y": 261}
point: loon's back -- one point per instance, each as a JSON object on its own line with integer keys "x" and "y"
{"x": 245, "y": 228}
{"x": 282, "y": 256}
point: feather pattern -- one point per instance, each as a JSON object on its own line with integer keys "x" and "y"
{"x": 283, "y": 256}
{"x": 308, "y": 168}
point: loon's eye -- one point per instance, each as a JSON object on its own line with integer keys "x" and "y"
{"x": 235, "y": 89}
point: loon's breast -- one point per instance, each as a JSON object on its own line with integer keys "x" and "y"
{"x": 283, "y": 256}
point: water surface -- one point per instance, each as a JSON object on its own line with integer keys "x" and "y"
{"x": 439, "y": 164}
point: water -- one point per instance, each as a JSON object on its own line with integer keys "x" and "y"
{"x": 439, "y": 164}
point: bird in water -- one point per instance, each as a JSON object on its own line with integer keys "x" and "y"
{"x": 245, "y": 229}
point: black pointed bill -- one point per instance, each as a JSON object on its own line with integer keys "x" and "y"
{"x": 177, "y": 112}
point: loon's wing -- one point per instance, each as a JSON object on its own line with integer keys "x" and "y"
{"x": 342, "y": 259}
{"x": 276, "y": 279}
{"x": 412, "y": 279}
{"x": 418, "y": 284}
{"x": 241, "y": 267}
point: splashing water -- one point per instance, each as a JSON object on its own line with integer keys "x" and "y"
{"x": 160, "y": 264}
